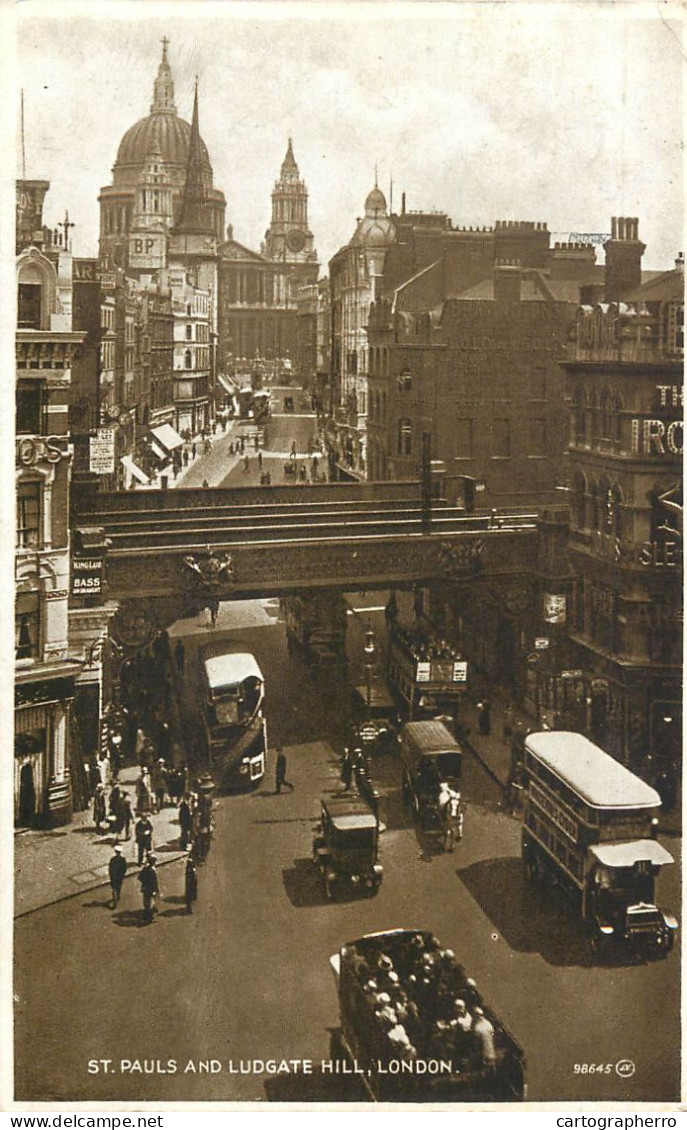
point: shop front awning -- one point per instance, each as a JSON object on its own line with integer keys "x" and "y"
{"x": 227, "y": 384}
{"x": 167, "y": 436}
{"x": 631, "y": 852}
{"x": 133, "y": 469}
{"x": 159, "y": 451}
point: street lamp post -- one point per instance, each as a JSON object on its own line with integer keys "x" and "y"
{"x": 369, "y": 661}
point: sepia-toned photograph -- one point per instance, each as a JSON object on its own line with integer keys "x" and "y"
{"x": 348, "y": 600}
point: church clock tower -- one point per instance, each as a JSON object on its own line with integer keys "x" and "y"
{"x": 288, "y": 239}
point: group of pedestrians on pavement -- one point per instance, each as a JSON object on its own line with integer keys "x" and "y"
{"x": 195, "y": 828}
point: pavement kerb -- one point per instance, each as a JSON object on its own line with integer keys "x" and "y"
{"x": 94, "y": 887}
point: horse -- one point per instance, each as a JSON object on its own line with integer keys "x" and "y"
{"x": 451, "y": 816}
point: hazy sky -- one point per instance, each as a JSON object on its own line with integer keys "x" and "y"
{"x": 566, "y": 113}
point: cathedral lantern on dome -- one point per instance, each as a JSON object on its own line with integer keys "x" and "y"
{"x": 149, "y": 177}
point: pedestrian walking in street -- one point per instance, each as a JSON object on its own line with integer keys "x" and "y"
{"x": 143, "y": 836}
{"x": 150, "y": 888}
{"x": 115, "y": 748}
{"x": 143, "y": 792}
{"x": 115, "y": 799}
{"x": 231, "y": 448}
{"x": 243, "y": 444}
{"x": 280, "y": 771}
{"x": 260, "y": 460}
{"x": 346, "y": 770}
{"x": 185, "y": 823}
{"x": 140, "y": 743}
{"x": 117, "y": 869}
{"x": 293, "y": 450}
{"x": 160, "y": 784}
{"x": 256, "y": 441}
{"x": 99, "y": 808}
{"x": 185, "y": 457}
{"x": 190, "y": 883}
{"x": 508, "y": 724}
{"x": 246, "y": 464}
{"x": 193, "y": 450}
{"x": 484, "y": 718}
{"x": 127, "y": 815}
{"x": 94, "y": 778}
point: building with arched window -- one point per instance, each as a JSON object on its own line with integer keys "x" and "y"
{"x": 355, "y": 280}
{"x": 45, "y": 672}
{"x": 625, "y": 393}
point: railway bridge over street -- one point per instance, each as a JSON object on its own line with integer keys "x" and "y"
{"x": 169, "y": 553}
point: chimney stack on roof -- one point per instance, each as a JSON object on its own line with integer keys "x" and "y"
{"x": 623, "y": 258}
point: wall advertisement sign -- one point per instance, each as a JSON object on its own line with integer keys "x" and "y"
{"x": 102, "y": 452}
{"x": 87, "y": 576}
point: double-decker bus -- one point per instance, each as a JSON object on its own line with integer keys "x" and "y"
{"x": 426, "y": 672}
{"x": 590, "y": 825}
{"x": 233, "y": 716}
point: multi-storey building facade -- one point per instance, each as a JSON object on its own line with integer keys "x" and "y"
{"x": 625, "y": 393}
{"x": 191, "y": 384}
{"x": 355, "y": 278}
{"x": 479, "y": 378}
{"x": 45, "y": 673}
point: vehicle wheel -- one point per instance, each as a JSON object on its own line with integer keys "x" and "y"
{"x": 405, "y": 790}
{"x": 415, "y": 805}
{"x": 663, "y": 945}
{"x": 328, "y": 888}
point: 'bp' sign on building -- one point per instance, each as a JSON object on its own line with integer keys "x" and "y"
{"x": 102, "y": 452}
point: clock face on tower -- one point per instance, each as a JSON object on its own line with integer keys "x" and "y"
{"x": 295, "y": 240}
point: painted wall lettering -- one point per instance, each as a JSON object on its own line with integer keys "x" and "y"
{"x": 654, "y": 437}
{"x": 38, "y": 449}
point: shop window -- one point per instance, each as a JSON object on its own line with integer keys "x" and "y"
{"x": 501, "y": 445}
{"x": 464, "y": 438}
{"x": 28, "y": 514}
{"x": 189, "y": 333}
{"x": 26, "y": 626}
{"x": 405, "y": 437}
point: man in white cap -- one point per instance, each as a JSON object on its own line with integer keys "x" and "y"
{"x": 117, "y": 869}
